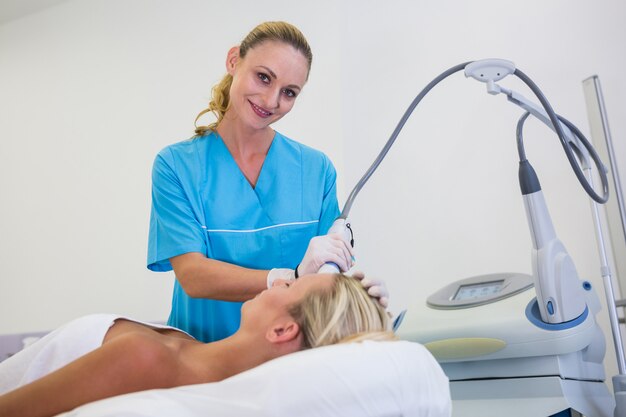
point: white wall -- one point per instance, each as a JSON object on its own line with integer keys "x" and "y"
{"x": 92, "y": 89}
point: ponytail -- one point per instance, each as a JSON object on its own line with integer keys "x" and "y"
{"x": 218, "y": 105}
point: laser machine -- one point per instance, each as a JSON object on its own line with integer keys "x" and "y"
{"x": 515, "y": 344}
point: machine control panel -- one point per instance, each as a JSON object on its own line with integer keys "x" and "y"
{"x": 479, "y": 290}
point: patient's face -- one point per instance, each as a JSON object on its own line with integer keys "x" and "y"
{"x": 274, "y": 303}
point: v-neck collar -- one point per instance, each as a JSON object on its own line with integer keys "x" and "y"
{"x": 277, "y": 197}
{"x": 264, "y": 166}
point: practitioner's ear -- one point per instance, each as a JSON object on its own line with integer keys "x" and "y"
{"x": 231, "y": 59}
{"x": 283, "y": 332}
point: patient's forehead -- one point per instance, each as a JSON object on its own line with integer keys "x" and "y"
{"x": 315, "y": 281}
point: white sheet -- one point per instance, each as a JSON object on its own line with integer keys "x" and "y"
{"x": 359, "y": 379}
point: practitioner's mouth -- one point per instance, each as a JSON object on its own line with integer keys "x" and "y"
{"x": 261, "y": 112}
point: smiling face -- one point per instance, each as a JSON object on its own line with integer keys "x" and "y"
{"x": 265, "y": 83}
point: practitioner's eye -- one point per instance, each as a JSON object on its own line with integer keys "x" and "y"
{"x": 289, "y": 93}
{"x": 263, "y": 77}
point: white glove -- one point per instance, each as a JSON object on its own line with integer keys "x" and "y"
{"x": 375, "y": 288}
{"x": 280, "y": 273}
{"x": 328, "y": 248}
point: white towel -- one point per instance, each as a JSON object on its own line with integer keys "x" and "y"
{"x": 57, "y": 349}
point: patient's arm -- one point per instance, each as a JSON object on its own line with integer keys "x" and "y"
{"x": 128, "y": 363}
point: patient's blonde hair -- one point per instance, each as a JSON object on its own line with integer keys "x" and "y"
{"x": 344, "y": 313}
{"x": 267, "y": 31}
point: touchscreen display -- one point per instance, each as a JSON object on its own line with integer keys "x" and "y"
{"x": 478, "y": 290}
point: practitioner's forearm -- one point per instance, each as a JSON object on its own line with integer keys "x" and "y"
{"x": 126, "y": 364}
{"x": 201, "y": 277}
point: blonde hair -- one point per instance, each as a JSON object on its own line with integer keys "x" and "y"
{"x": 267, "y": 31}
{"x": 344, "y": 313}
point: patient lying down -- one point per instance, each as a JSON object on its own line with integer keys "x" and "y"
{"x": 313, "y": 311}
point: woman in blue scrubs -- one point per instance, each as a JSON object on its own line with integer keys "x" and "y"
{"x": 240, "y": 205}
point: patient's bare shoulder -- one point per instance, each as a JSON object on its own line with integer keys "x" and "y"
{"x": 166, "y": 357}
{"x": 155, "y": 359}
{"x": 161, "y": 355}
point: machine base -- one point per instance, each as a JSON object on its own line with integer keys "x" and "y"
{"x": 540, "y": 397}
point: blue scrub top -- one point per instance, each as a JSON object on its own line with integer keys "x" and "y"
{"x": 201, "y": 202}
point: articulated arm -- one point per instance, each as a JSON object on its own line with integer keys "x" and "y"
{"x": 559, "y": 290}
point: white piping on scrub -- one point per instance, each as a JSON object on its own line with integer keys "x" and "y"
{"x": 260, "y": 229}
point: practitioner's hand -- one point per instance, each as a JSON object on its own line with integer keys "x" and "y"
{"x": 281, "y": 282}
{"x": 375, "y": 288}
{"x": 328, "y": 248}
{"x": 280, "y": 276}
